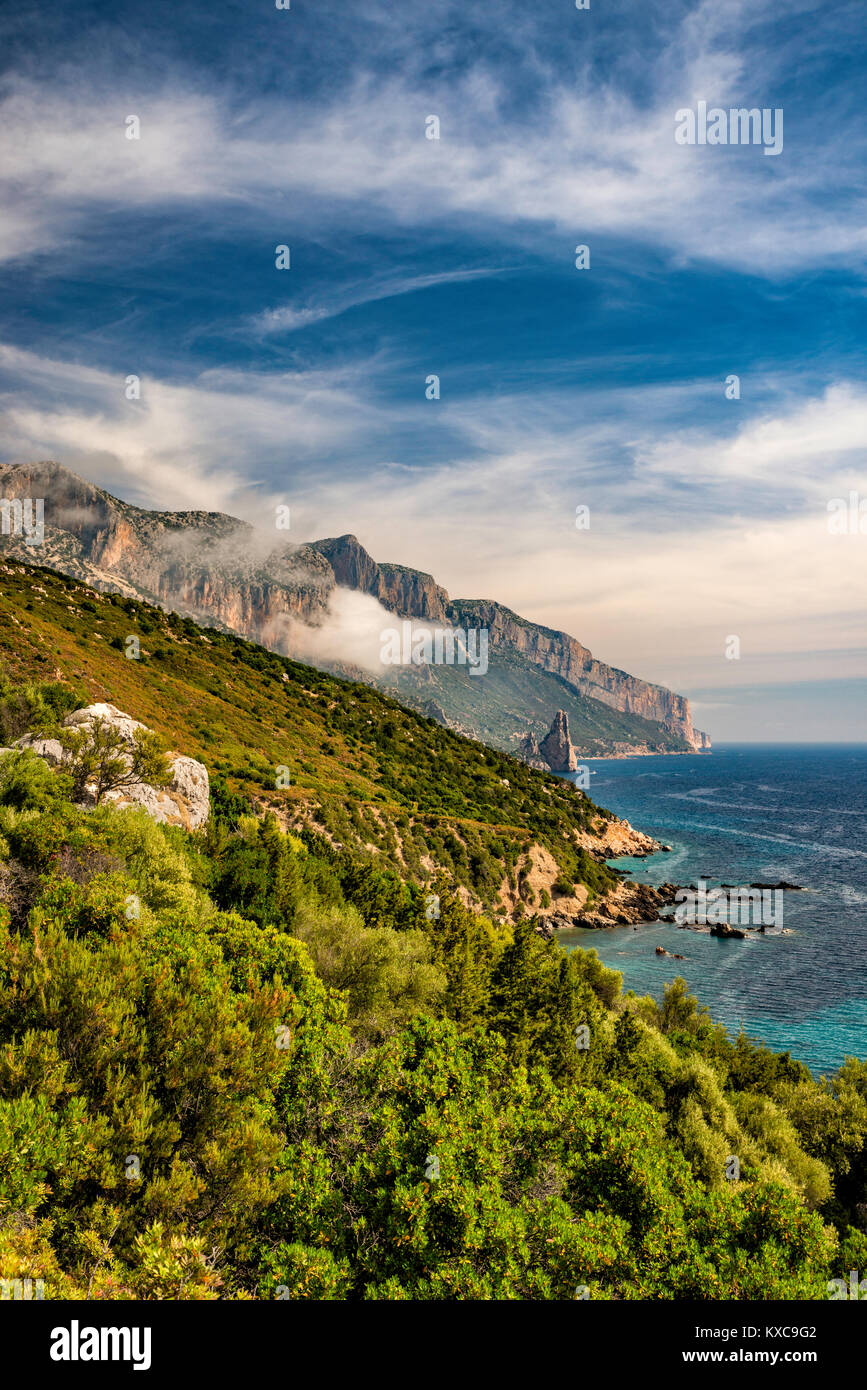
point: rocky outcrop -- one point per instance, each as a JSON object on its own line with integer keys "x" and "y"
{"x": 529, "y": 752}
{"x": 209, "y": 566}
{"x": 410, "y": 593}
{"x": 613, "y": 838}
{"x": 184, "y": 801}
{"x": 556, "y": 748}
{"x": 629, "y": 904}
{"x": 435, "y": 711}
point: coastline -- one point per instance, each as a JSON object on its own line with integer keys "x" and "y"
{"x": 801, "y": 985}
{"x": 627, "y": 903}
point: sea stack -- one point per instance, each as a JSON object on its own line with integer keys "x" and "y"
{"x": 556, "y": 748}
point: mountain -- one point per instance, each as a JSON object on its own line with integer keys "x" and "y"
{"x": 224, "y": 573}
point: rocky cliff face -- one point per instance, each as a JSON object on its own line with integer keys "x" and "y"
{"x": 210, "y": 566}
{"x": 565, "y": 657}
{"x": 530, "y": 752}
{"x": 410, "y": 593}
{"x": 222, "y": 572}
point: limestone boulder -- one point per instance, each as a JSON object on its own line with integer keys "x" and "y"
{"x": 185, "y": 801}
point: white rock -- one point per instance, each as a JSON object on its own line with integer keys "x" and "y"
{"x": 105, "y": 714}
{"x": 47, "y": 748}
{"x": 185, "y": 801}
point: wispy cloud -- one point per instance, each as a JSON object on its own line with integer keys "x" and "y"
{"x": 455, "y": 256}
{"x": 210, "y": 443}
{"x": 287, "y": 318}
{"x": 593, "y": 158}
{"x": 811, "y": 445}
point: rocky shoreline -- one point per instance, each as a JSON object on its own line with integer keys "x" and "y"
{"x": 626, "y": 904}
{"x": 629, "y": 904}
{"x": 642, "y": 904}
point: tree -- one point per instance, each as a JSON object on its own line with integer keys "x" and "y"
{"x": 99, "y": 757}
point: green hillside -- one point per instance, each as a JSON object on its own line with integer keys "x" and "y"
{"x": 252, "y": 1062}
{"x": 521, "y": 698}
{"x": 372, "y": 775}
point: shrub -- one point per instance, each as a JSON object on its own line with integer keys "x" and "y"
{"x": 100, "y": 759}
{"x": 27, "y": 781}
{"x": 388, "y": 976}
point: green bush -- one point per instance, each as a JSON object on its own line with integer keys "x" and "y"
{"x": 245, "y": 1061}
{"x": 26, "y": 781}
{"x": 387, "y": 976}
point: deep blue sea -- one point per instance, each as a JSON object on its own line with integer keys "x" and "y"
{"x": 741, "y": 814}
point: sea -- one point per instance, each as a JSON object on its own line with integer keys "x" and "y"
{"x": 742, "y": 814}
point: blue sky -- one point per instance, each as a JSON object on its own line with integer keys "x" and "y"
{"x": 455, "y": 257}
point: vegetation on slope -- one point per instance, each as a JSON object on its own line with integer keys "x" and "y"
{"x": 368, "y": 773}
{"x": 248, "y": 1062}
{"x": 520, "y": 699}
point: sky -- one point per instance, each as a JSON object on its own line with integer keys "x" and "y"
{"x": 606, "y": 388}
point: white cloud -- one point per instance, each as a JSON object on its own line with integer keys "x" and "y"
{"x": 591, "y": 161}
{"x": 350, "y": 632}
{"x": 815, "y": 444}
{"x": 286, "y": 318}
{"x": 675, "y": 560}
{"x": 651, "y": 587}
{"x": 206, "y": 444}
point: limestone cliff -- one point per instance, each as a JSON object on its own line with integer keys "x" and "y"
{"x": 210, "y": 566}
{"x": 529, "y": 752}
{"x": 407, "y": 592}
{"x": 412, "y": 594}
{"x": 224, "y": 573}
{"x": 565, "y": 657}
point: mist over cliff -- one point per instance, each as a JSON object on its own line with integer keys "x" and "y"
{"x": 327, "y": 602}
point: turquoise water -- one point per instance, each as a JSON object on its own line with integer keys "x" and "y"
{"x": 741, "y": 814}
